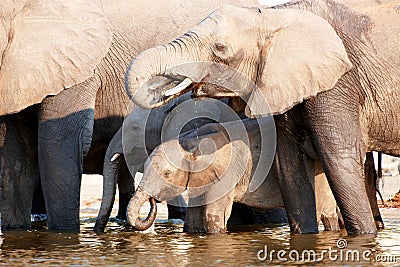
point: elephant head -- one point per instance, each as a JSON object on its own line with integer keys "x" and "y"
{"x": 46, "y": 47}
{"x": 198, "y": 165}
{"x": 281, "y": 51}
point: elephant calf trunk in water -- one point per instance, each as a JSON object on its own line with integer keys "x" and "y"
{"x": 133, "y": 210}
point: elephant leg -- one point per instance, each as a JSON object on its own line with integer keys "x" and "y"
{"x": 217, "y": 213}
{"x": 38, "y": 213}
{"x": 19, "y": 169}
{"x": 194, "y": 220}
{"x": 241, "y": 215}
{"x": 296, "y": 183}
{"x": 65, "y": 132}
{"x": 370, "y": 186}
{"x": 338, "y": 139}
{"x": 211, "y": 218}
{"x": 351, "y": 197}
{"x": 325, "y": 201}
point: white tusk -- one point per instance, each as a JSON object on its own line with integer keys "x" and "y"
{"x": 115, "y": 157}
{"x": 179, "y": 88}
{"x": 161, "y": 83}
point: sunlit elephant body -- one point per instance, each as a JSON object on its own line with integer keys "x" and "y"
{"x": 209, "y": 208}
{"x": 330, "y": 68}
{"x": 143, "y": 130}
{"x": 70, "y": 59}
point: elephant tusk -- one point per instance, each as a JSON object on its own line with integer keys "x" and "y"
{"x": 179, "y": 88}
{"x": 115, "y": 157}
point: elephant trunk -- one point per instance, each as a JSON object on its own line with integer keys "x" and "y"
{"x": 112, "y": 164}
{"x": 133, "y": 211}
{"x": 149, "y": 80}
{"x": 110, "y": 175}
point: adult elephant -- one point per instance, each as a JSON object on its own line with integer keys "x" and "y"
{"x": 331, "y": 68}
{"x": 62, "y": 91}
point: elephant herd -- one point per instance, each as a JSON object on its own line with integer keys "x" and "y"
{"x": 229, "y": 101}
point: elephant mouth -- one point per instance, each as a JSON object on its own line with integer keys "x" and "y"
{"x": 173, "y": 87}
{"x": 155, "y": 87}
{"x": 163, "y": 89}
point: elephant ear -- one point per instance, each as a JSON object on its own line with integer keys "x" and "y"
{"x": 301, "y": 56}
{"x": 52, "y": 45}
{"x": 218, "y": 173}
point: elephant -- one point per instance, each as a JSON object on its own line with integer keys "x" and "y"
{"x": 212, "y": 216}
{"x": 143, "y": 130}
{"x": 327, "y": 70}
{"x": 62, "y": 91}
{"x": 204, "y": 215}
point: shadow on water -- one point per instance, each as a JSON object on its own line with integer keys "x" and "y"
{"x": 243, "y": 246}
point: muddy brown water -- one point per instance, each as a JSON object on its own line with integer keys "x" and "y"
{"x": 169, "y": 246}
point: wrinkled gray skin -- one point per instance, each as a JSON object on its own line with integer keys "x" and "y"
{"x": 213, "y": 217}
{"x": 330, "y": 68}
{"x": 143, "y": 130}
{"x": 142, "y": 122}
{"x": 89, "y": 55}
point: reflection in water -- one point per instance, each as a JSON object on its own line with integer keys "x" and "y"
{"x": 122, "y": 246}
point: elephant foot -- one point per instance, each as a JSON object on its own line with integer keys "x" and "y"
{"x": 194, "y": 220}
{"x": 215, "y": 224}
{"x": 379, "y": 223}
{"x": 192, "y": 228}
{"x": 19, "y": 173}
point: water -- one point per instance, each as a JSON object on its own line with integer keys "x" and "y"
{"x": 171, "y": 247}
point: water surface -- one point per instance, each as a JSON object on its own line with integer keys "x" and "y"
{"x": 169, "y": 246}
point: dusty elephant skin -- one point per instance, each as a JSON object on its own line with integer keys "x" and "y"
{"x": 328, "y": 69}
{"x": 212, "y": 216}
{"x": 84, "y": 47}
{"x": 143, "y": 130}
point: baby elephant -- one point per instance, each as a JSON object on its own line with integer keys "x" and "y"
{"x": 144, "y": 130}
{"x": 216, "y": 170}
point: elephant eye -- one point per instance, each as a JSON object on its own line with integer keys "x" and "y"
{"x": 167, "y": 173}
{"x": 220, "y": 47}
{"x": 222, "y": 50}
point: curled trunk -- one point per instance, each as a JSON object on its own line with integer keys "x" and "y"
{"x": 150, "y": 82}
{"x": 133, "y": 212}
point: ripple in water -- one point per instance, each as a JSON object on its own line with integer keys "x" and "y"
{"x": 170, "y": 246}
